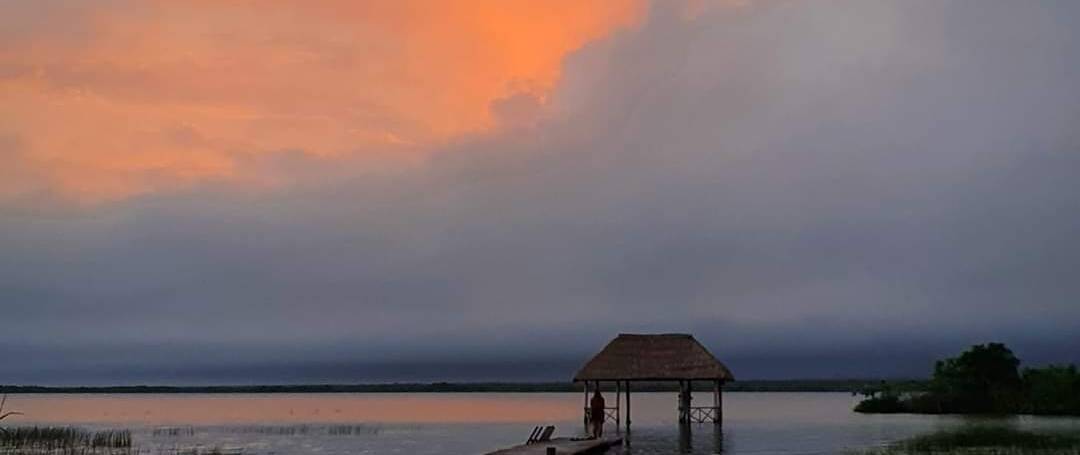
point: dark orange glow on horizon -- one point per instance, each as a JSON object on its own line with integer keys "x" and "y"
{"x": 298, "y": 408}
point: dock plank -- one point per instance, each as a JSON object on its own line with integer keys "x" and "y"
{"x": 563, "y": 446}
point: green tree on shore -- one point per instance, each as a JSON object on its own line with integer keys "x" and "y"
{"x": 1052, "y": 390}
{"x": 986, "y": 379}
{"x": 983, "y": 379}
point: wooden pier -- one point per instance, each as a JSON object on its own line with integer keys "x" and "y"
{"x": 562, "y": 446}
{"x": 633, "y": 358}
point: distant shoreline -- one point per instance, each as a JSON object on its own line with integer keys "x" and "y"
{"x": 793, "y": 385}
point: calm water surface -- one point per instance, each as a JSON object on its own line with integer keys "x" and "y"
{"x": 471, "y": 423}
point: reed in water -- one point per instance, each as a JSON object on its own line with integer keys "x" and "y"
{"x": 62, "y": 438}
{"x": 985, "y": 439}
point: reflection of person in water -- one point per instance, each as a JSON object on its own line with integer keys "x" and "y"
{"x": 596, "y": 414}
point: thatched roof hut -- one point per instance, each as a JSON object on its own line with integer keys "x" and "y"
{"x": 664, "y": 357}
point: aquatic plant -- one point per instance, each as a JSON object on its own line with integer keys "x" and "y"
{"x": 63, "y": 438}
{"x": 984, "y": 439}
{"x": 216, "y": 450}
{"x": 4, "y": 415}
{"x": 174, "y": 431}
{"x": 304, "y": 429}
{"x": 350, "y": 430}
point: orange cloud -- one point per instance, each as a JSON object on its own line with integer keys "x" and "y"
{"x": 120, "y": 98}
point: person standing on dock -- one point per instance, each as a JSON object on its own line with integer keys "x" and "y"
{"x": 596, "y": 414}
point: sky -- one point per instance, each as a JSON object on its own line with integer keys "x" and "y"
{"x": 240, "y": 192}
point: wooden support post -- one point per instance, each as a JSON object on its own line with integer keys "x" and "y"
{"x": 678, "y": 403}
{"x": 618, "y": 407}
{"x": 603, "y": 412}
{"x": 686, "y": 439}
{"x": 718, "y": 403}
{"x": 684, "y": 401}
{"x": 585, "y": 408}
{"x": 627, "y": 408}
{"x": 689, "y": 400}
{"x": 718, "y": 439}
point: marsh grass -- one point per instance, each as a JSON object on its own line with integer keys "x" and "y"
{"x": 985, "y": 439}
{"x": 303, "y": 430}
{"x": 208, "y": 451}
{"x": 62, "y": 439}
{"x": 173, "y": 431}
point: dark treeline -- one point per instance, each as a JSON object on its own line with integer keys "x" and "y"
{"x": 985, "y": 379}
{"x": 807, "y": 385}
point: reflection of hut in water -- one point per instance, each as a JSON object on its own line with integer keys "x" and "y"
{"x": 678, "y": 358}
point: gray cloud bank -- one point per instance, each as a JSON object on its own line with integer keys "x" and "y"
{"x": 814, "y": 189}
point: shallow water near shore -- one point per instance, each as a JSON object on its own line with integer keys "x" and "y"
{"x": 472, "y": 423}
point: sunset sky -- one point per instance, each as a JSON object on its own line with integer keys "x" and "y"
{"x": 220, "y": 191}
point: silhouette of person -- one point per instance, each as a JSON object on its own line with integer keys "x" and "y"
{"x": 596, "y": 414}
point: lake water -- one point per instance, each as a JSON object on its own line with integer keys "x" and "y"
{"x": 472, "y": 423}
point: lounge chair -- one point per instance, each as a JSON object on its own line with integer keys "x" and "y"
{"x": 535, "y": 433}
{"x": 541, "y": 434}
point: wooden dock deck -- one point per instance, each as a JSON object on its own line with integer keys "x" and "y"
{"x": 563, "y": 446}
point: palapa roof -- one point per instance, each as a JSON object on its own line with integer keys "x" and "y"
{"x": 665, "y": 357}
